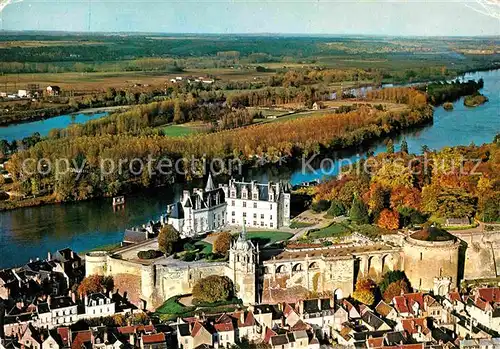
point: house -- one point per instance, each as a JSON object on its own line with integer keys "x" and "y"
{"x": 22, "y": 93}
{"x": 31, "y": 338}
{"x": 53, "y": 90}
{"x": 409, "y": 304}
{"x": 417, "y": 328}
{"x": 153, "y": 341}
{"x": 435, "y": 310}
{"x": 318, "y": 105}
{"x": 484, "y": 307}
{"x": 373, "y": 322}
{"x": 98, "y": 305}
{"x": 386, "y": 311}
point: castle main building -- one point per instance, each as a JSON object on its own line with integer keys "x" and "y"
{"x": 205, "y": 210}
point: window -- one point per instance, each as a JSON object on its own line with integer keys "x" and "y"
{"x": 255, "y": 215}
{"x": 233, "y": 213}
{"x": 254, "y": 205}
{"x": 255, "y": 196}
{"x": 271, "y": 224}
{"x": 232, "y": 203}
{"x": 261, "y": 223}
{"x": 244, "y": 204}
{"x": 271, "y": 217}
{"x": 244, "y": 214}
{"x": 261, "y": 216}
{"x": 254, "y": 223}
{"x": 271, "y": 206}
{"x": 233, "y": 221}
{"x": 421, "y": 255}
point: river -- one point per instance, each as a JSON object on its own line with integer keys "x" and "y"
{"x": 32, "y": 232}
{"x": 19, "y": 131}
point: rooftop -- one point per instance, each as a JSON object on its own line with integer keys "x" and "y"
{"x": 432, "y": 234}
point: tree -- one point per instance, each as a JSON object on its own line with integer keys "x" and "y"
{"x": 388, "y": 219}
{"x": 178, "y": 114}
{"x": 394, "y": 289}
{"x": 364, "y": 296}
{"x": 390, "y": 147}
{"x": 392, "y": 276}
{"x": 110, "y": 93}
{"x": 424, "y": 148}
{"x": 455, "y": 203}
{"x": 404, "y": 146}
{"x": 394, "y": 174}
{"x": 358, "y": 212}
{"x": 409, "y": 216}
{"x": 222, "y": 243}
{"x": 95, "y": 283}
{"x": 167, "y": 238}
{"x": 491, "y": 209}
{"x": 336, "y": 209}
{"x": 212, "y": 289}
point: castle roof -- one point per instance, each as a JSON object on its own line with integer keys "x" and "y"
{"x": 432, "y": 234}
{"x": 210, "y": 183}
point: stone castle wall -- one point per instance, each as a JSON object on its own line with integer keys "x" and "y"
{"x": 482, "y": 257}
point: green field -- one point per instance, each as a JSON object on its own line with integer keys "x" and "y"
{"x": 177, "y": 131}
{"x": 205, "y": 247}
{"x": 333, "y": 230}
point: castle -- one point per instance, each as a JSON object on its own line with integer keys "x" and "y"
{"x": 236, "y": 203}
{"x": 429, "y": 257}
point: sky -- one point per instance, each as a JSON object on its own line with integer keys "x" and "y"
{"x": 375, "y": 17}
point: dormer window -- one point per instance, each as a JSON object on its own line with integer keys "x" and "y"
{"x": 233, "y": 193}
{"x": 255, "y": 196}
{"x": 244, "y": 194}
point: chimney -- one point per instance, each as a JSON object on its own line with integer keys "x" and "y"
{"x": 49, "y": 300}
{"x": 49, "y": 256}
{"x": 242, "y": 316}
{"x": 73, "y": 297}
{"x": 72, "y": 254}
{"x": 319, "y": 304}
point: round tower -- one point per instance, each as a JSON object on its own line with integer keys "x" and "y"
{"x": 96, "y": 263}
{"x": 431, "y": 254}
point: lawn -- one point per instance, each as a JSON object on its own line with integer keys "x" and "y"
{"x": 172, "y": 308}
{"x": 177, "y": 131}
{"x": 204, "y": 247}
{"x": 268, "y": 237}
{"x": 333, "y": 230}
{"x": 299, "y": 224}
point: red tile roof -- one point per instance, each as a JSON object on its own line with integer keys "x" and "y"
{"x": 412, "y": 325}
{"x": 153, "y": 338}
{"x": 300, "y": 326}
{"x": 196, "y": 329}
{"x": 404, "y": 303}
{"x": 126, "y": 329}
{"x": 64, "y": 334}
{"x": 375, "y": 342}
{"x": 489, "y": 294}
{"x": 455, "y": 296}
{"x": 81, "y": 338}
{"x": 224, "y": 327}
{"x": 269, "y": 333}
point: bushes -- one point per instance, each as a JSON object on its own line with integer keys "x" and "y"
{"x": 149, "y": 254}
{"x": 336, "y": 209}
{"x": 320, "y": 206}
{"x": 212, "y": 289}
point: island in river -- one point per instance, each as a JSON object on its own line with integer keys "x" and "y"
{"x": 475, "y": 100}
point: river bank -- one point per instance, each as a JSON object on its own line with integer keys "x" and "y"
{"x": 85, "y": 225}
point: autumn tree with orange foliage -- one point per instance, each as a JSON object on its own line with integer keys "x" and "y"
{"x": 388, "y": 219}
{"x": 395, "y": 289}
{"x": 222, "y": 242}
{"x": 365, "y": 291}
{"x": 94, "y": 284}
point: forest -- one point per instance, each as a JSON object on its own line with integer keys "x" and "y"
{"x": 402, "y": 190}
{"x": 250, "y": 144}
{"x": 441, "y": 92}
